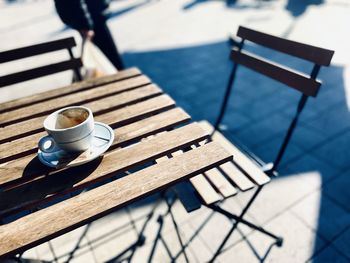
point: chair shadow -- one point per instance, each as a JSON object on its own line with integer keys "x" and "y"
{"x": 234, "y": 4}
{"x": 298, "y": 7}
{"x": 115, "y": 13}
{"x": 196, "y": 77}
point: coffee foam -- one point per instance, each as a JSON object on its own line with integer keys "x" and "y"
{"x": 70, "y": 118}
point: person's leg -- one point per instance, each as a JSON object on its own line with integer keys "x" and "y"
{"x": 104, "y": 40}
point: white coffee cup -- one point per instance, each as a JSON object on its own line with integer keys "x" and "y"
{"x": 70, "y": 129}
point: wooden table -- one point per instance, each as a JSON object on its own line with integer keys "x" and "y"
{"x": 136, "y": 109}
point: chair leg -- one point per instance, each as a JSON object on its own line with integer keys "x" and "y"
{"x": 239, "y": 219}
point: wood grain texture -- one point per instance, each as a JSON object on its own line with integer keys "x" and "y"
{"x": 237, "y": 176}
{"x": 220, "y": 182}
{"x": 50, "y": 105}
{"x": 160, "y": 122}
{"x": 73, "y": 88}
{"x": 53, "y": 221}
{"x": 314, "y": 54}
{"x": 240, "y": 159}
{"x": 202, "y": 186}
{"x": 51, "y": 182}
{"x": 290, "y": 77}
{"x": 28, "y": 127}
{"x": 14, "y": 169}
{"x": 205, "y": 190}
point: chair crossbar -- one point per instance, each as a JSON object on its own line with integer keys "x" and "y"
{"x": 37, "y": 49}
{"x": 290, "y": 77}
{"x": 40, "y": 72}
{"x": 311, "y": 53}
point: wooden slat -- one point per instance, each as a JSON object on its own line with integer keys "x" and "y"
{"x": 220, "y": 182}
{"x": 254, "y": 172}
{"x": 185, "y": 192}
{"x": 137, "y": 111}
{"x": 36, "y": 49}
{"x": 40, "y": 72}
{"x": 113, "y": 163}
{"x": 43, "y": 108}
{"x": 292, "y": 78}
{"x": 314, "y": 54}
{"x": 73, "y": 88}
{"x": 50, "y": 222}
{"x": 202, "y": 186}
{"x": 205, "y": 190}
{"x": 14, "y": 170}
{"x": 237, "y": 176}
{"x": 31, "y": 126}
{"x": 153, "y": 124}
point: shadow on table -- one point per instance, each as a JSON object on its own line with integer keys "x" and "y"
{"x": 196, "y": 77}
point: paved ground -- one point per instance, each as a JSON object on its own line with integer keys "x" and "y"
{"x": 182, "y": 45}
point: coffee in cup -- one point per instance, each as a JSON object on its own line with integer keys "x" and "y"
{"x": 71, "y": 117}
{"x": 70, "y": 129}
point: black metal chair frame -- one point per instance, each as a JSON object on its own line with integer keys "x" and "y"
{"x": 291, "y": 48}
{"x": 307, "y": 85}
{"x": 24, "y": 52}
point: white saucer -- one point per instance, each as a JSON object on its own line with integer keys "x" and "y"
{"x": 102, "y": 140}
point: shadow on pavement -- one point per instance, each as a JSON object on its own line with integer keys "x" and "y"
{"x": 258, "y": 117}
{"x": 298, "y": 7}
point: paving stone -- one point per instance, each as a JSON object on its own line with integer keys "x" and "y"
{"x": 30, "y": 254}
{"x": 82, "y": 257}
{"x": 44, "y": 252}
{"x": 329, "y": 255}
{"x": 143, "y": 254}
{"x": 307, "y": 137}
{"x": 72, "y": 243}
{"x": 233, "y": 122}
{"x": 113, "y": 223}
{"x": 298, "y": 243}
{"x": 107, "y": 247}
{"x": 342, "y": 243}
{"x": 268, "y": 150}
{"x": 334, "y": 121}
{"x": 280, "y": 194}
{"x": 338, "y": 189}
{"x": 260, "y": 131}
{"x": 309, "y": 163}
{"x": 263, "y": 107}
{"x": 329, "y": 221}
{"x": 339, "y": 147}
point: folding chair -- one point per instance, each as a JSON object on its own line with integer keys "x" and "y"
{"x": 20, "y": 53}
{"x": 247, "y": 171}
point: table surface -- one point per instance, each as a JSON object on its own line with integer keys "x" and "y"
{"x": 38, "y": 203}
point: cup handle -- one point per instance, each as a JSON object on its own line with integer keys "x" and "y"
{"x": 47, "y": 144}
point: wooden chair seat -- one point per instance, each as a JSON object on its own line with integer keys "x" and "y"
{"x": 226, "y": 180}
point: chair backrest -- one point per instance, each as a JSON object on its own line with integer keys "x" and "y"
{"x": 20, "y": 53}
{"x": 308, "y": 85}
